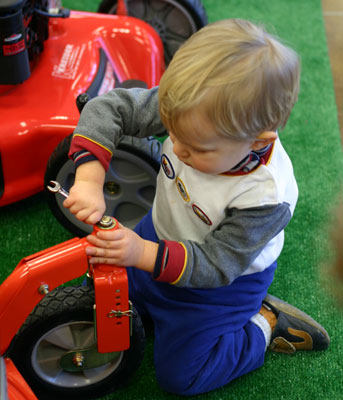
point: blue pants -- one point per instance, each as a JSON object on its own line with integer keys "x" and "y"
{"x": 203, "y": 337}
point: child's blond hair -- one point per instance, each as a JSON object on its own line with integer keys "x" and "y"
{"x": 241, "y": 77}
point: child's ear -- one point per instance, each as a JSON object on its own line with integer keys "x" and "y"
{"x": 264, "y": 139}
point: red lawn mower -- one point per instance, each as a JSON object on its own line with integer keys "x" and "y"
{"x": 49, "y": 56}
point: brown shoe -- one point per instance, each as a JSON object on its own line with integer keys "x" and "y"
{"x": 294, "y": 330}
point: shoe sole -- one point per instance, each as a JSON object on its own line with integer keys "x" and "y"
{"x": 281, "y": 305}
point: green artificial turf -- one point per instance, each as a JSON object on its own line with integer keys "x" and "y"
{"x": 313, "y": 143}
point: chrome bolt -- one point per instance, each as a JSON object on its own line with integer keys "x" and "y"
{"x": 43, "y": 289}
{"x": 112, "y": 187}
{"x": 107, "y": 222}
{"x": 78, "y": 359}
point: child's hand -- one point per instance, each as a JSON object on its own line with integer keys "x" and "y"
{"x": 86, "y": 201}
{"x": 86, "y": 197}
{"x": 123, "y": 248}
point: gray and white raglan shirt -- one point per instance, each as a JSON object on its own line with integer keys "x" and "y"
{"x": 211, "y": 228}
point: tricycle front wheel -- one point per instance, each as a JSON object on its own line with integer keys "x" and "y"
{"x": 62, "y": 326}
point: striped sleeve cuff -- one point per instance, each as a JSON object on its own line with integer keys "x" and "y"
{"x": 83, "y": 150}
{"x": 82, "y": 156}
{"x": 170, "y": 262}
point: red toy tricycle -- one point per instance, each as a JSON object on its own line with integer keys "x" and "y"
{"x": 70, "y": 342}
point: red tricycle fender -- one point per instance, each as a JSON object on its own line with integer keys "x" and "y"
{"x": 33, "y": 277}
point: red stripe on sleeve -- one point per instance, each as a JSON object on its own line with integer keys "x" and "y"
{"x": 175, "y": 265}
{"x": 82, "y": 143}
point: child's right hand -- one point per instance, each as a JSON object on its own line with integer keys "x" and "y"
{"x": 86, "y": 197}
{"x": 86, "y": 201}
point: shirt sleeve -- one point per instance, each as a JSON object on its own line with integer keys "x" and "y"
{"x": 226, "y": 252}
{"x": 105, "y": 119}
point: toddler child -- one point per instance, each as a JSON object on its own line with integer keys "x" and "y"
{"x": 203, "y": 258}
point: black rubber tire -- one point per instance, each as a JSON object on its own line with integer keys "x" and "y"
{"x": 129, "y": 188}
{"x": 189, "y": 15}
{"x": 62, "y": 312}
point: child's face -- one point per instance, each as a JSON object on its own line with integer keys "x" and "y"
{"x": 203, "y": 149}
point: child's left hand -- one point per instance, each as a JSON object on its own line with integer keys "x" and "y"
{"x": 122, "y": 247}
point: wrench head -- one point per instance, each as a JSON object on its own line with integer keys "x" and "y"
{"x": 55, "y": 188}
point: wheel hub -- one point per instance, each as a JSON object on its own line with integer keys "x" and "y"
{"x": 112, "y": 188}
{"x": 82, "y": 359}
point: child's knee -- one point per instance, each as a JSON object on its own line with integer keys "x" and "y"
{"x": 183, "y": 379}
{"x": 194, "y": 370}
{"x": 171, "y": 380}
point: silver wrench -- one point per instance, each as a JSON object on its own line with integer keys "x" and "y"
{"x": 57, "y": 188}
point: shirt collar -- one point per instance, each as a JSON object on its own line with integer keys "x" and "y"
{"x": 252, "y": 161}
